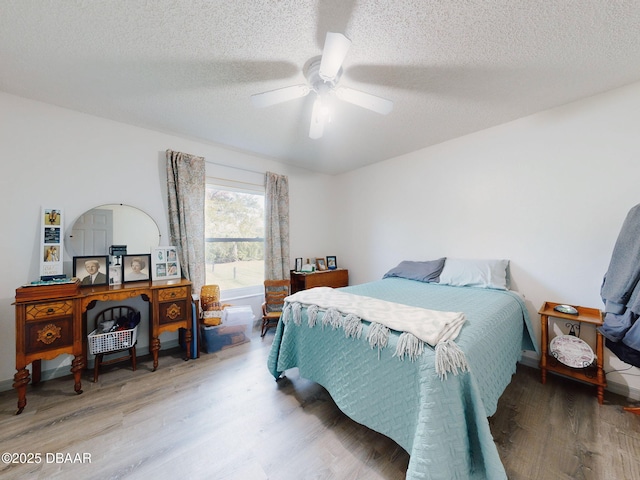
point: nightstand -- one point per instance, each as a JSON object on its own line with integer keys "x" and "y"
{"x": 593, "y": 374}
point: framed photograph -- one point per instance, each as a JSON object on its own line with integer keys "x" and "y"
{"x": 321, "y": 264}
{"x": 92, "y": 270}
{"x": 298, "y": 264}
{"x": 115, "y": 274}
{"x": 332, "y": 263}
{"x": 164, "y": 263}
{"x": 135, "y": 268}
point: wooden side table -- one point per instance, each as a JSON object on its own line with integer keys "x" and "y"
{"x": 593, "y": 374}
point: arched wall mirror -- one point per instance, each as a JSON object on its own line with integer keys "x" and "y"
{"x": 97, "y": 229}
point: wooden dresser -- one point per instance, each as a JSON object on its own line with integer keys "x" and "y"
{"x": 324, "y": 278}
{"x": 56, "y": 323}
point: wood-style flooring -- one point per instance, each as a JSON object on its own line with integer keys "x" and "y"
{"x": 224, "y": 417}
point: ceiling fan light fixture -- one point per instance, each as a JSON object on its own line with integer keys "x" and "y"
{"x": 318, "y": 84}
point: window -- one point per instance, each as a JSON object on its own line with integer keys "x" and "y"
{"x": 234, "y": 239}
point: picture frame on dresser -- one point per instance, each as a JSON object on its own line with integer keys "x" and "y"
{"x": 332, "y": 262}
{"x": 321, "y": 265}
{"x": 164, "y": 263}
{"x": 91, "y": 269}
{"x": 115, "y": 274}
{"x": 298, "y": 266}
{"x": 136, "y": 268}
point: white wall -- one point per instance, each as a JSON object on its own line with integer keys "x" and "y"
{"x": 57, "y": 157}
{"x": 549, "y": 192}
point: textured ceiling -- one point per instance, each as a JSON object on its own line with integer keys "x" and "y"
{"x": 189, "y": 67}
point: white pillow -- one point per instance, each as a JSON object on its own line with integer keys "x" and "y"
{"x": 475, "y": 273}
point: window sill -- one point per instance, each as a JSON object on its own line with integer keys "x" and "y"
{"x": 237, "y": 293}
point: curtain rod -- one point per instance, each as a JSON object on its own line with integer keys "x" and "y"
{"x": 237, "y": 168}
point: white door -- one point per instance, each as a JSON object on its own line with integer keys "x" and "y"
{"x": 92, "y": 233}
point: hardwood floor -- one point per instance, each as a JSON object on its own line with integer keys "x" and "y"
{"x": 224, "y": 417}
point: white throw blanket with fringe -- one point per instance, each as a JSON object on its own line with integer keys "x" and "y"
{"x": 417, "y": 325}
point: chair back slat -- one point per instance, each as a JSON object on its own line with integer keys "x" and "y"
{"x": 275, "y": 291}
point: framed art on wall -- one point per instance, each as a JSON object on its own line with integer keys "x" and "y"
{"x": 91, "y": 269}
{"x": 51, "y": 265}
{"x": 164, "y": 263}
{"x": 135, "y": 268}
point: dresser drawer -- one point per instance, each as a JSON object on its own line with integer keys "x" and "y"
{"x": 171, "y": 312}
{"x": 48, "y": 334}
{"x": 48, "y": 310}
{"x": 167, "y": 294}
{"x": 330, "y": 278}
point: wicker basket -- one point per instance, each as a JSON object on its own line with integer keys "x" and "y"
{"x": 111, "y": 341}
{"x": 209, "y": 297}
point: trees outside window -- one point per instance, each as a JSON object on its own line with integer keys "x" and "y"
{"x": 234, "y": 236}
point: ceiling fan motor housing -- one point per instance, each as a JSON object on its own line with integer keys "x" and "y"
{"x": 319, "y": 84}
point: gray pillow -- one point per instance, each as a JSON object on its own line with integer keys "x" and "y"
{"x": 428, "y": 271}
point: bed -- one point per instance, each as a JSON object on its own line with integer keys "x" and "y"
{"x": 441, "y": 422}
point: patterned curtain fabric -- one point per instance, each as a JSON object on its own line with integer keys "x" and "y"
{"x": 186, "y": 189}
{"x": 276, "y": 256}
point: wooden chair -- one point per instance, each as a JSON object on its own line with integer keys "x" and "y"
{"x": 112, "y": 314}
{"x": 275, "y": 292}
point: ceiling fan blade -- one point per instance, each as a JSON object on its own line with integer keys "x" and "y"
{"x": 318, "y": 119}
{"x": 266, "y": 99}
{"x": 365, "y": 100}
{"x": 333, "y": 16}
{"x": 335, "y": 50}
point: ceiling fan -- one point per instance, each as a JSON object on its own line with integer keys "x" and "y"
{"x": 323, "y": 74}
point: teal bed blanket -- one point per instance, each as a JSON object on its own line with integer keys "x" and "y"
{"x": 442, "y": 424}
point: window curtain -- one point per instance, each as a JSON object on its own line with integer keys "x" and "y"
{"x": 276, "y": 256}
{"x": 186, "y": 191}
